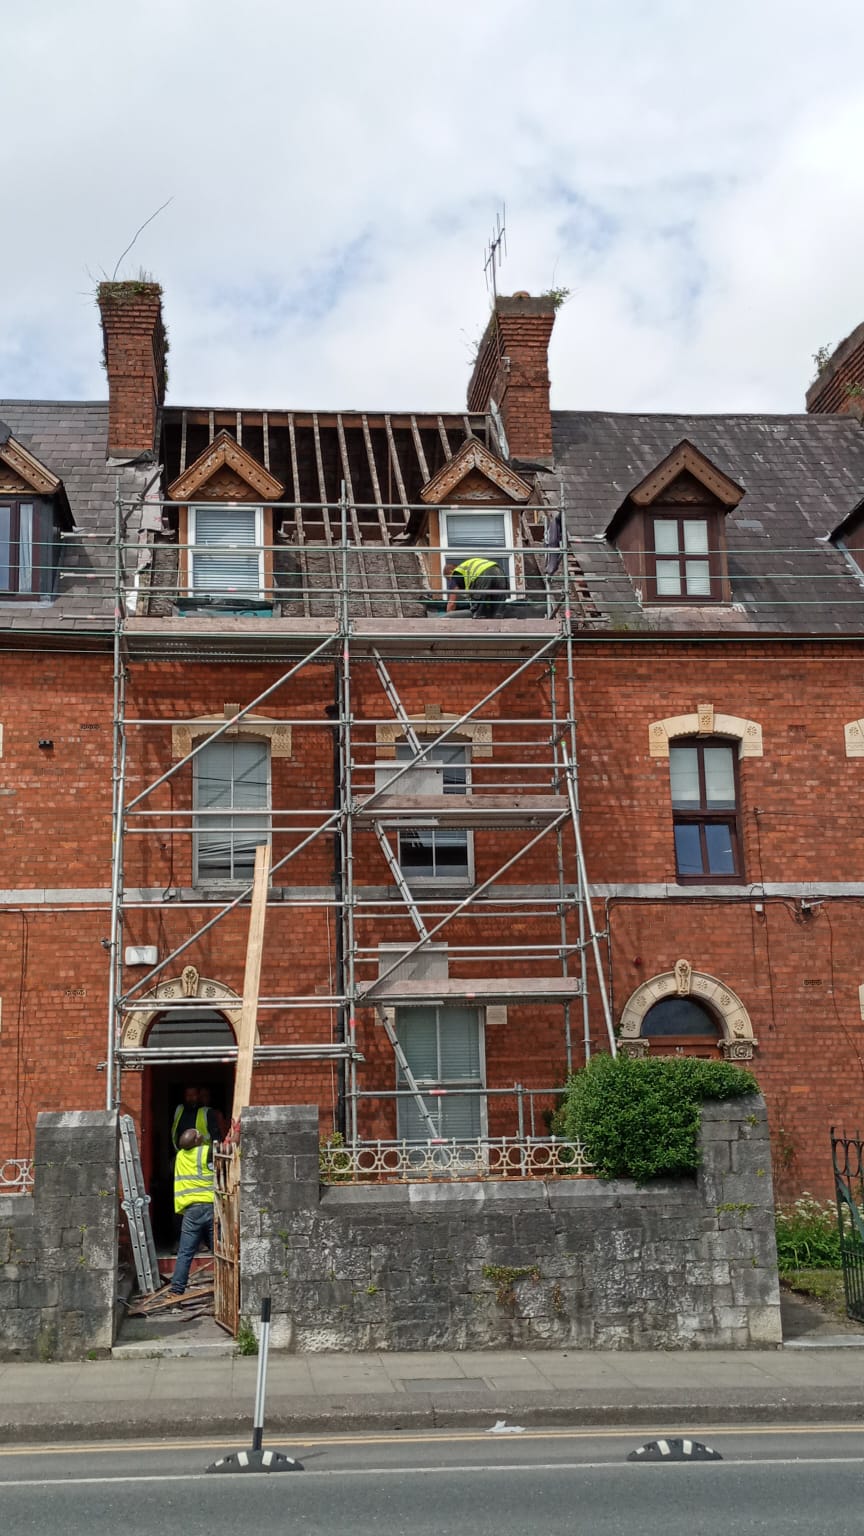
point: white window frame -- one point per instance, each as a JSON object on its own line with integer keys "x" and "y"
{"x": 511, "y": 567}
{"x": 205, "y": 878}
{"x": 433, "y": 882}
{"x": 425, "y": 1084}
{"x": 194, "y": 548}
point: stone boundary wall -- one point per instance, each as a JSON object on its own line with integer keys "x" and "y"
{"x": 530, "y": 1264}
{"x": 58, "y": 1246}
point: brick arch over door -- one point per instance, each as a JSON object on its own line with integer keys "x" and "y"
{"x": 737, "y": 1041}
{"x": 210, "y": 994}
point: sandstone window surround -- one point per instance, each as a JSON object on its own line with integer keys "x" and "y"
{"x": 853, "y": 732}
{"x": 433, "y": 722}
{"x": 260, "y": 727}
{"x": 737, "y": 1040}
{"x": 705, "y": 721}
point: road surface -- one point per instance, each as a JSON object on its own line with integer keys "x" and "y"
{"x": 550, "y": 1482}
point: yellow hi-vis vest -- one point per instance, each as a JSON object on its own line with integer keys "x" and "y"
{"x": 193, "y": 1178}
{"x": 201, "y": 1125}
{"x": 470, "y": 569}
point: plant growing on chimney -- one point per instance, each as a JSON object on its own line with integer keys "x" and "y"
{"x": 558, "y": 296}
{"x": 822, "y": 357}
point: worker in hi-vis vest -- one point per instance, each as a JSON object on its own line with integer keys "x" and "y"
{"x": 483, "y": 580}
{"x": 193, "y": 1200}
{"x": 192, "y": 1115}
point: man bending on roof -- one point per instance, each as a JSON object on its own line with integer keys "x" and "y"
{"x": 483, "y": 580}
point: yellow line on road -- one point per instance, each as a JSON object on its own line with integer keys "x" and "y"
{"x": 438, "y": 1437}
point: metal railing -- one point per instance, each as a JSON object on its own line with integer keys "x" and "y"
{"x": 847, "y": 1155}
{"x": 16, "y": 1176}
{"x": 487, "y": 1157}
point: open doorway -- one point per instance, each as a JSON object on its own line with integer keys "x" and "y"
{"x": 163, "y": 1089}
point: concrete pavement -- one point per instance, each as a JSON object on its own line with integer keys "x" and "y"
{"x": 120, "y": 1399}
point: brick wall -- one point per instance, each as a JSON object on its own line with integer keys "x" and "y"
{"x": 797, "y": 975}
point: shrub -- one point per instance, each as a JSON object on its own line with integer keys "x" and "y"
{"x": 807, "y": 1235}
{"x": 639, "y": 1119}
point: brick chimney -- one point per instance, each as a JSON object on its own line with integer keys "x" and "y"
{"x": 512, "y": 372}
{"x": 839, "y": 384}
{"x": 135, "y": 348}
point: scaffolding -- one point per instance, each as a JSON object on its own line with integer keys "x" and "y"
{"x": 337, "y": 597}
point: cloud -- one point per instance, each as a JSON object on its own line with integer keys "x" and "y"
{"x": 689, "y": 174}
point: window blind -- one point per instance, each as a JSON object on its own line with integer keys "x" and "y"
{"x": 221, "y": 537}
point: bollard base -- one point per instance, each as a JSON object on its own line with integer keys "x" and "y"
{"x": 256, "y": 1461}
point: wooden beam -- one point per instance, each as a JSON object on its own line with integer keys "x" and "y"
{"x": 394, "y": 458}
{"x": 418, "y": 444}
{"x": 251, "y": 983}
{"x": 357, "y": 578}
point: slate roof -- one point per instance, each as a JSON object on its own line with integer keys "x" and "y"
{"x": 70, "y": 438}
{"x": 802, "y": 475}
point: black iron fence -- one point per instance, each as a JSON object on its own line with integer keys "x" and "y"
{"x": 847, "y": 1154}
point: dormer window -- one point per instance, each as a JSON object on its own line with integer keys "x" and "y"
{"x": 224, "y": 526}
{"x": 671, "y": 530}
{"x": 33, "y": 509}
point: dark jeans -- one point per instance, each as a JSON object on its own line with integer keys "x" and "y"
{"x": 197, "y": 1227}
{"x": 488, "y": 595}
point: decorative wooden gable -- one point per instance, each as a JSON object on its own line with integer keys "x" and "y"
{"x": 20, "y": 470}
{"x": 475, "y": 474}
{"x": 685, "y": 475}
{"x": 225, "y": 472}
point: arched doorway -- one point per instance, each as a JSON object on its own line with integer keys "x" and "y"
{"x": 184, "y": 1037}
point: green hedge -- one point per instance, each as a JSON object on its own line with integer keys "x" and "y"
{"x": 639, "y": 1119}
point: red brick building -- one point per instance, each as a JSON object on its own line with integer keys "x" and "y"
{"x": 221, "y": 628}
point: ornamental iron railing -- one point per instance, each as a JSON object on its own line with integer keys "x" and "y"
{"x": 499, "y": 1157}
{"x": 16, "y": 1176}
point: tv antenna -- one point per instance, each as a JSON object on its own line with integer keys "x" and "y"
{"x": 496, "y": 250}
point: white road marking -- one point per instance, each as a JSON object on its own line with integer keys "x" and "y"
{"x": 446, "y": 1471}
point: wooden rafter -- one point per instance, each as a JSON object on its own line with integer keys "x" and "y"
{"x": 397, "y": 467}
{"x": 418, "y": 444}
{"x": 382, "y": 518}
{"x": 445, "y": 441}
{"x": 362, "y": 574}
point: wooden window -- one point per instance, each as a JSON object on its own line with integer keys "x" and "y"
{"x": 443, "y": 854}
{"x": 680, "y": 1026}
{"x": 444, "y": 1049}
{"x": 26, "y": 564}
{"x": 704, "y": 782}
{"x": 231, "y": 798}
{"x": 226, "y": 553}
{"x": 488, "y": 534}
{"x": 684, "y": 561}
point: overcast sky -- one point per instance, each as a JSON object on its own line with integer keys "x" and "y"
{"x": 690, "y": 172}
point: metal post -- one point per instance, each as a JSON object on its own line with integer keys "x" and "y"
{"x": 118, "y": 770}
{"x": 570, "y": 772}
{"x": 261, "y": 1383}
{"x": 347, "y": 811}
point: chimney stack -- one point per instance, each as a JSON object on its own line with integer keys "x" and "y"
{"x": 135, "y": 348}
{"x": 839, "y": 385}
{"x": 512, "y": 373}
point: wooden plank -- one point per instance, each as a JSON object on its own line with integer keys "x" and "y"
{"x": 471, "y": 810}
{"x": 298, "y": 510}
{"x": 445, "y": 441}
{"x": 418, "y": 444}
{"x": 183, "y": 442}
{"x": 394, "y": 459}
{"x": 470, "y": 989}
{"x": 238, "y": 427}
{"x": 382, "y": 518}
{"x": 360, "y": 577}
{"x": 251, "y": 983}
{"x": 211, "y": 418}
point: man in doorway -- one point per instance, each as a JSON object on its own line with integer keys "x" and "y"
{"x": 216, "y": 1123}
{"x": 193, "y": 1200}
{"x": 483, "y": 580}
{"x": 194, "y": 1115}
